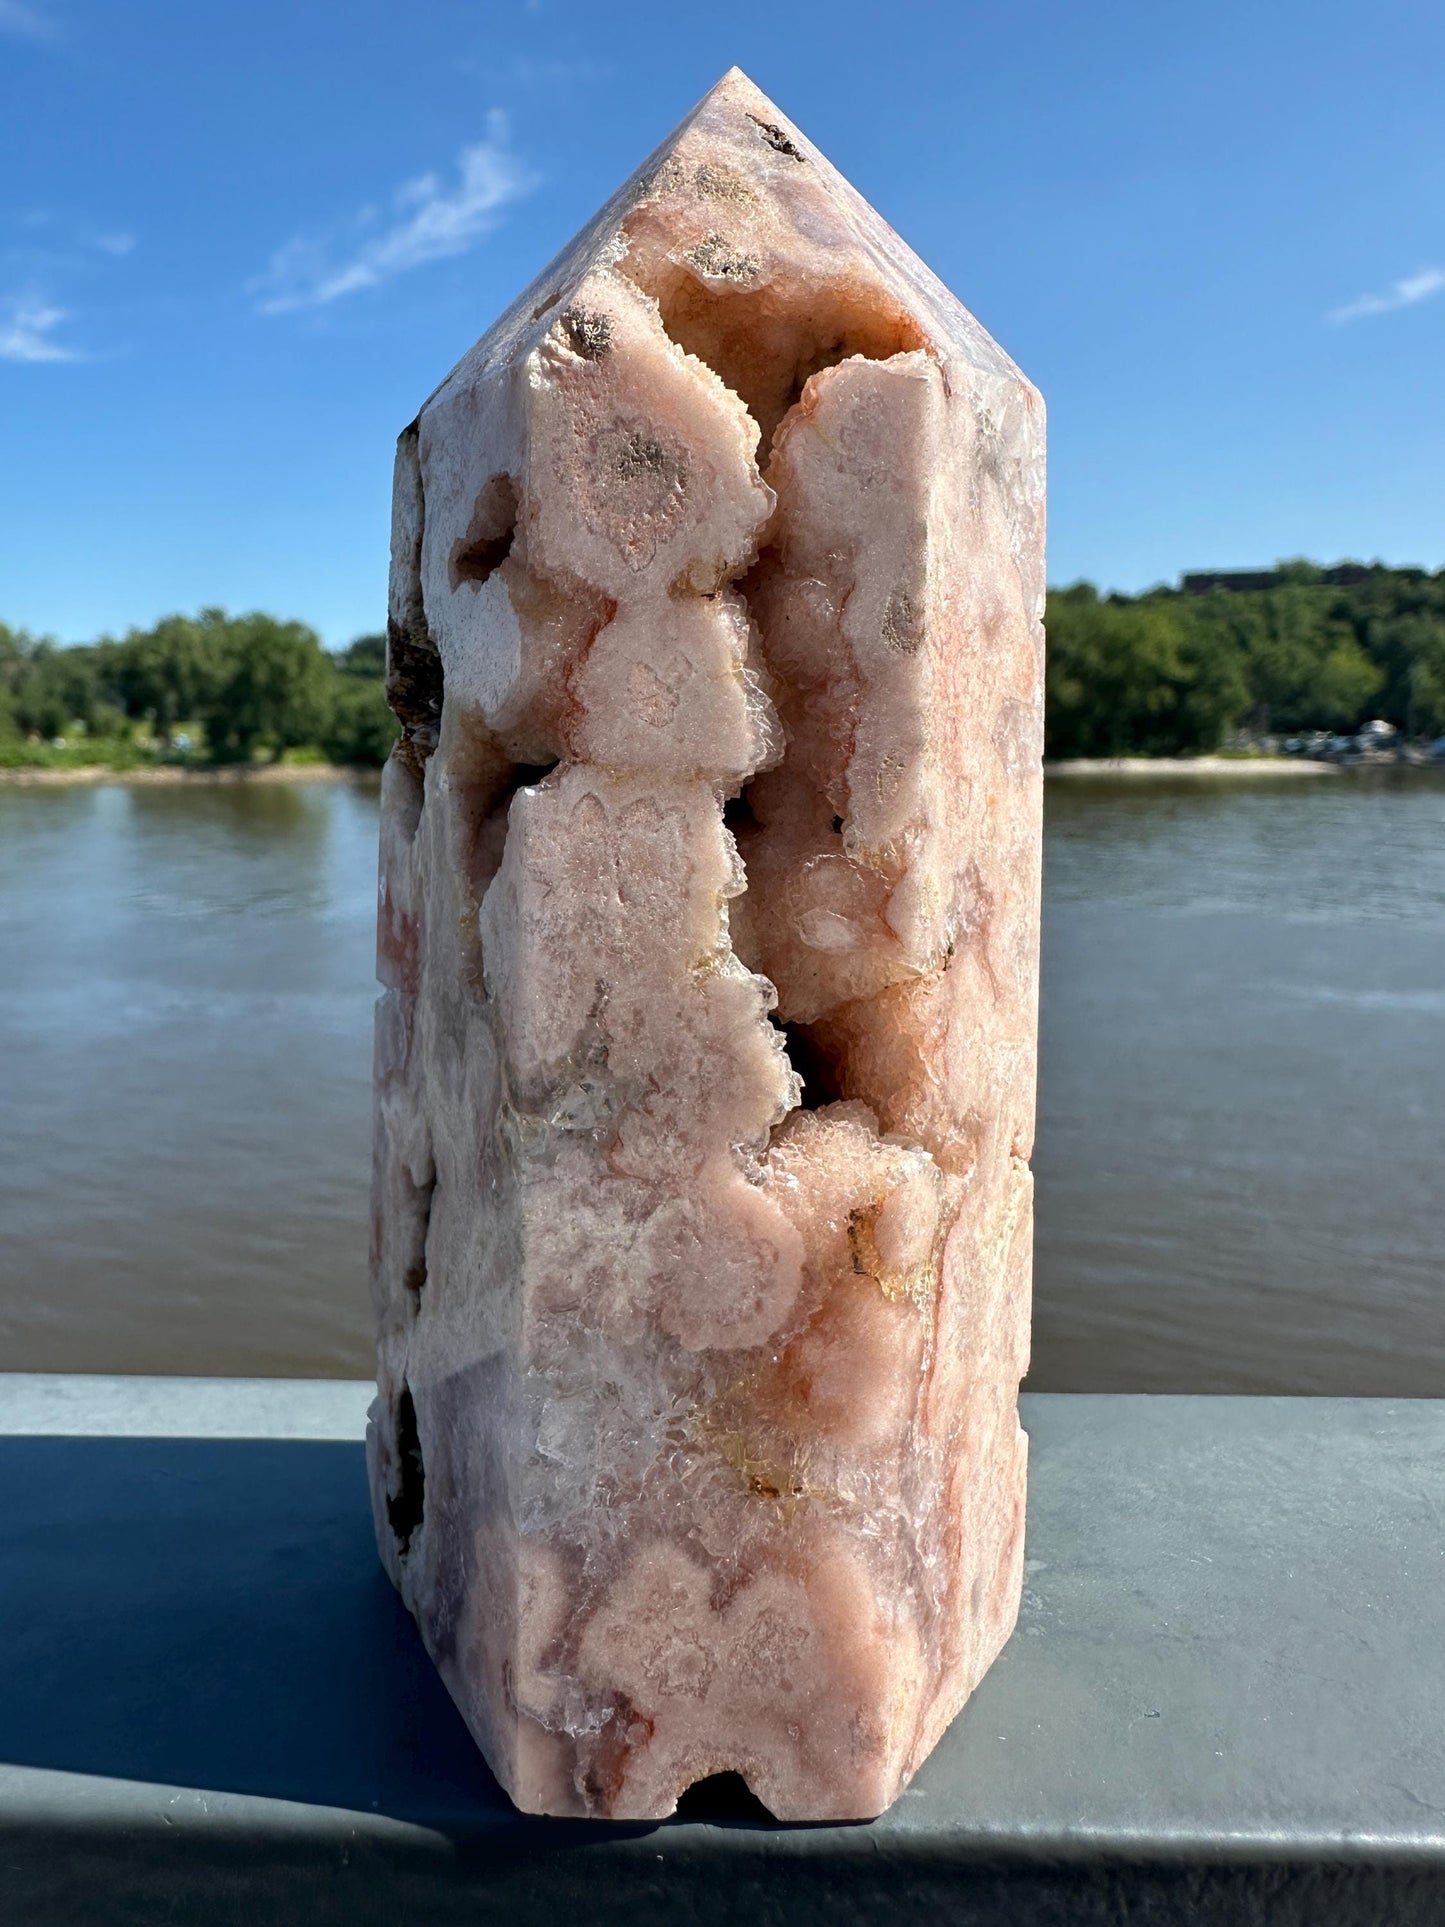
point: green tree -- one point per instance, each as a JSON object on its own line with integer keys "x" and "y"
{"x": 364, "y": 657}
{"x": 1319, "y": 649}
{"x": 1409, "y": 648}
{"x": 167, "y": 675}
{"x": 361, "y": 728}
{"x": 1306, "y": 669}
{"x": 1344, "y": 686}
{"x": 50, "y": 691}
{"x": 272, "y": 688}
{"x": 1136, "y": 677}
{"x": 12, "y": 655}
{"x": 1422, "y": 643}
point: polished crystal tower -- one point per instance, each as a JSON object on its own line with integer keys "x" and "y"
{"x": 705, "y": 1058}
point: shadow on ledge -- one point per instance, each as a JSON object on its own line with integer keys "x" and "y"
{"x": 1223, "y": 1704}
{"x": 210, "y": 1613}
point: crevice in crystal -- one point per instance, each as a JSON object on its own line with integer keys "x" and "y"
{"x": 528, "y": 775}
{"x": 780, "y": 142}
{"x": 406, "y": 1507}
{"x": 720, "y": 1797}
{"x": 414, "y": 1276}
{"x": 766, "y": 340}
{"x": 481, "y": 784}
{"x": 738, "y": 812}
{"x": 765, "y": 345}
{"x": 488, "y": 542}
{"x": 414, "y": 677}
{"x": 820, "y": 1071}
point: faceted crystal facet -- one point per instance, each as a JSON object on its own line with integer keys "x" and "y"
{"x": 708, "y": 938}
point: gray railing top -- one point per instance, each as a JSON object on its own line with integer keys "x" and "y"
{"x": 1225, "y": 1698}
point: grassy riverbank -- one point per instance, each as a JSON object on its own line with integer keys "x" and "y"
{"x": 1249, "y": 768}
{"x": 181, "y": 775}
{"x": 61, "y": 771}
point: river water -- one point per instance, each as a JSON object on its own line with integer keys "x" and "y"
{"x": 1241, "y": 1104}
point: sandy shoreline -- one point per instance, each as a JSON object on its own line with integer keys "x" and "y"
{"x": 172, "y": 773}
{"x": 1245, "y": 766}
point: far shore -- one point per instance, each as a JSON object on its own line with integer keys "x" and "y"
{"x": 1247, "y": 766}
{"x": 176, "y": 773}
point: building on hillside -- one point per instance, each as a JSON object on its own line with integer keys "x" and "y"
{"x": 1242, "y": 581}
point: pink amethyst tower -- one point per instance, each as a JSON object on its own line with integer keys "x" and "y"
{"x": 705, "y": 1057}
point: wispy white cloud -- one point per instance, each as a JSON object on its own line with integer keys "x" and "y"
{"x": 558, "y": 73}
{"x": 60, "y": 240}
{"x": 538, "y": 76}
{"x": 1404, "y": 293}
{"x": 428, "y": 220}
{"x": 24, "y": 21}
{"x": 27, "y": 330}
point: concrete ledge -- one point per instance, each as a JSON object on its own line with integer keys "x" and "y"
{"x": 1225, "y": 1700}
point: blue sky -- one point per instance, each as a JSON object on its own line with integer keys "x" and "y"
{"x": 239, "y": 244}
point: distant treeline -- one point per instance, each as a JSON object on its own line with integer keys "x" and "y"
{"x": 213, "y": 687}
{"x": 1169, "y": 672}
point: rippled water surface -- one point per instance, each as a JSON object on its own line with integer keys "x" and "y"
{"x": 1241, "y": 1109}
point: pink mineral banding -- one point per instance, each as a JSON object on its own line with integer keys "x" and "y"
{"x": 708, "y": 937}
